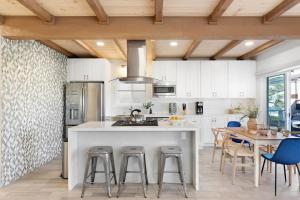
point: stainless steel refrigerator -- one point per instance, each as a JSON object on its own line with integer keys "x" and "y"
{"x": 84, "y": 101}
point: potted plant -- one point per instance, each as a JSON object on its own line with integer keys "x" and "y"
{"x": 148, "y": 105}
{"x": 251, "y": 112}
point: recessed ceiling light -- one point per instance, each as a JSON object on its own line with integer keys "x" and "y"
{"x": 249, "y": 43}
{"x": 173, "y": 44}
{"x": 100, "y": 44}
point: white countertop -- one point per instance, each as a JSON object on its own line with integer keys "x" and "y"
{"x": 180, "y": 125}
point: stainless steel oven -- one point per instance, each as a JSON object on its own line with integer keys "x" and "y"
{"x": 164, "y": 90}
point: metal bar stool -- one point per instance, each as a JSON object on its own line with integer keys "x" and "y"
{"x": 171, "y": 152}
{"x": 105, "y": 153}
{"x": 133, "y": 152}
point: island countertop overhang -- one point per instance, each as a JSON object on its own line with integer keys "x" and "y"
{"x": 107, "y": 126}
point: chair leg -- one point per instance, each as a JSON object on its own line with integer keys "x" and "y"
{"x": 113, "y": 167}
{"x": 180, "y": 167}
{"x": 243, "y": 162}
{"x": 94, "y": 166}
{"x": 161, "y": 174}
{"x": 298, "y": 173}
{"x": 85, "y": 176}
{"x": 234, "y": 170}
{"x": 179, "y": 172}
{"x": 275, "y": 179}
{"x": 125, "y": 172}
{"x": 284, "y": 170}
{"x": 122, "y": 167}
{"x": 223, "y": 163}
{"x": 262, "y": 169}
{"x": 221, "y": 160}
{"x": 107, "y": 174}
{"x": 146, "y": 173}
{"x": 142, "y": 172}
{"x": 213, "y": 153}
{"x": 159, "y": 168}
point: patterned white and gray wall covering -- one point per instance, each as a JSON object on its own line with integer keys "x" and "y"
{"x": 31, "y": 83}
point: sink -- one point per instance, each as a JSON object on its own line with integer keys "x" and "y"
{"x": 121, "y": 117}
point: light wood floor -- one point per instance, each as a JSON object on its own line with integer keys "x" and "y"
{"x": 46, "y": 184}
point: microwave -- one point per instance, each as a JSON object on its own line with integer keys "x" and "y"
{"x": 160, "y": 90}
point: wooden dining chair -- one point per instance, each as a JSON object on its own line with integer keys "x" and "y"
{"x": 233, "y": 151}
{"x": 218, "y": 134}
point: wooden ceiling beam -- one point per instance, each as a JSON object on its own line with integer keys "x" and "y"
{"x": 99, "y": 11}
{"x": 225, "y": 49}
{"x": 279, "y": 10}
{"x": 88, "y": 48}
{"x": 259, "y": 49}
{"x": 120, "y": 49}
{"x": 56, "y": 47}
{"x": 218, "y": 11}
{"x": 158, "y": 18}
{"x": 39, "y": 11}
{"x": 194, "y": 28}
{"x": 191, "y": 49}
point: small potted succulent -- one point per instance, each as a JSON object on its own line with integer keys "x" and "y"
{"x": 251, "y": 112}
{"x": 148, "y": 106}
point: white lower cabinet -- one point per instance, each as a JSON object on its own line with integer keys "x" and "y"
{"x": 207, "y": 124}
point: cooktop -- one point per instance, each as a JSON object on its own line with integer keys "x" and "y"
{"x": 131, "y": 123}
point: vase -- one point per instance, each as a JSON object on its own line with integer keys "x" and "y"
{"x": 252, "y": 124}
{"x": 150, "y": 111}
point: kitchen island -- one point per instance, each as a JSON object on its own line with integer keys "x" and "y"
{"x": 91, "y": 134}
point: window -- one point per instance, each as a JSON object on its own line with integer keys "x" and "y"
{"x": 276, "y": 101}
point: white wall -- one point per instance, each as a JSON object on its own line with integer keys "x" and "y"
{"x": 280, "y": 57}
{"x": 277, "y": 60}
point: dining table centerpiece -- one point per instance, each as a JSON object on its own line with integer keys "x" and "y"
{"x": 251, "y": 112}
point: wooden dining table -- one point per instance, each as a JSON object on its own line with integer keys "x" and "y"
{"x": 257, "y": 140}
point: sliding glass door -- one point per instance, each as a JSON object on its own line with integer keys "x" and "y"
{"x": 276, "y": 108}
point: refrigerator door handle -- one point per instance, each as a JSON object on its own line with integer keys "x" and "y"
{"x": 83, "y": 103}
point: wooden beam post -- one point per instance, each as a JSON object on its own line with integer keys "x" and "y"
{"x": 99, "y": 11}
{"x": 225, "y": 49}
{"x": 191, "y": 49}
{"x": 279, "y": 10}
{"x": 56, "y": 47}
{"x": 1, "y": 20}
{"x": 88, "y": 48}
{"x": 158, "y": 18}
{"x": 39, "y": 11}
{"x": 120, "y": 49}
{"x": 259, "y": 49}
{"x": 218, "y": 11}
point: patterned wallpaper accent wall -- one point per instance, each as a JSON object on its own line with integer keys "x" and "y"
{"x": 32, "y": 106}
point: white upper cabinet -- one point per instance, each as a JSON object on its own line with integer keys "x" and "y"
{"x": 242, "y": 79}
{"x": 188, "y": 79}
{"x": 214, "y": 79}
{"x": 88, "y": 70}
{"x": 165, "y": 71}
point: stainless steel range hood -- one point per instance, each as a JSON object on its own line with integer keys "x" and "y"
{"x": 136, "y": 63}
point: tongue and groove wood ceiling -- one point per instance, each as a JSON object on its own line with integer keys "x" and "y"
{"x": 50, "y": 13}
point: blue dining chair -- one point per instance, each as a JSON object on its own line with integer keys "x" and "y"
{"x": 287, "y": 153}
{"x": 237, "y": 124}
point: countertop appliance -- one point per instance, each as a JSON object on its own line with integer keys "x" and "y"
{"x": 172, "y": 108}
{"x": 164, "y": 89}
{"x": 84, "y": 101}
{"x": 133, "y": 123}
{"x": 199, "y": 108}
